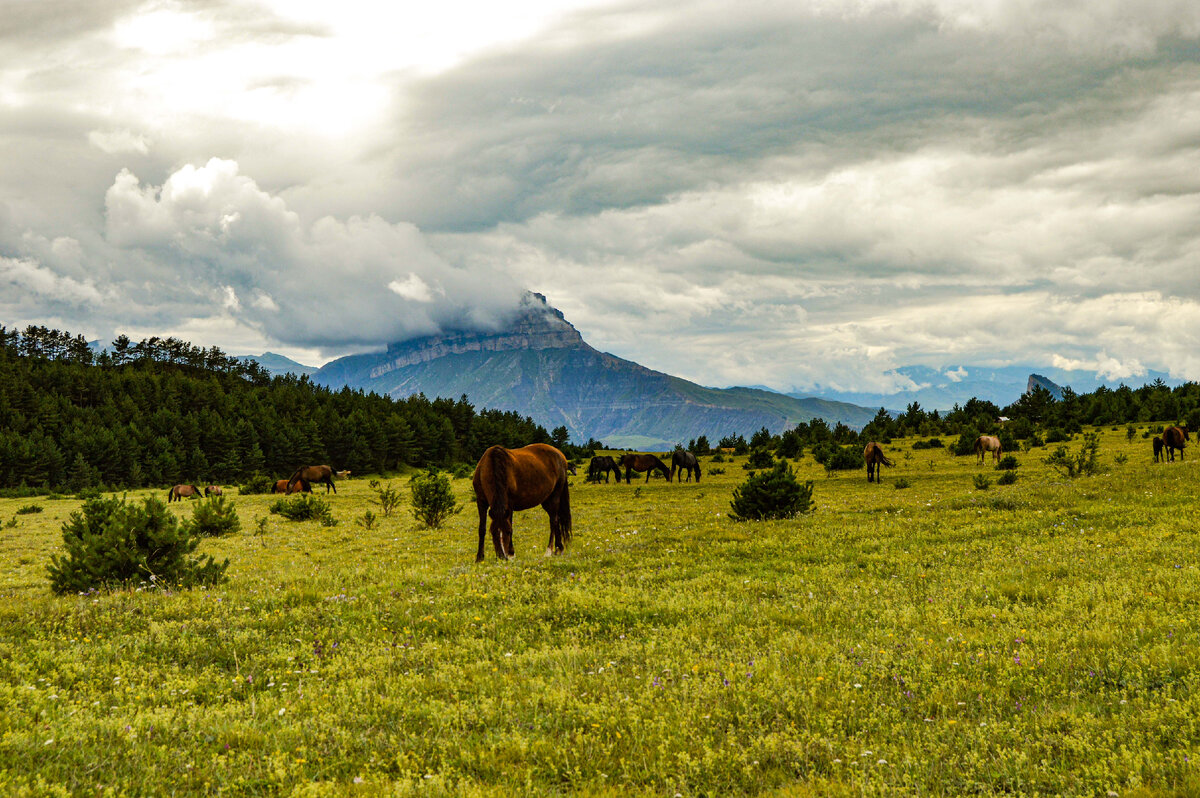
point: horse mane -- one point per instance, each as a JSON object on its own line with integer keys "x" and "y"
{"x": 498, "y": 501}
{"x": 978, "y": 444}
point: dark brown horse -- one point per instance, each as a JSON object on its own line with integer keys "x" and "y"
{"x": 1173, "y": 438}
{"x": 1158, "y": 450}
{"x": 988, "y": 443}
{"x": 685, "y": 461}
{"x": 874, "y": 456}
{"x": 212, "y": 490}
{"x": 643, "y": 462}
{"x": 507, "y": 480}
{"x": 182, "y": 492}
{"x": 314, "y": 475}
{"x": 282, "y": 486}
{"x": 600, "y": 466}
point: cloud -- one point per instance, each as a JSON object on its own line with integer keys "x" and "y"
{"x": 332, "y": 284}
{"x": 113, "y": 142}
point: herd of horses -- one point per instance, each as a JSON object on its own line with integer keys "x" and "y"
{"x": 509, "y": 480}
{"x": 301, "y": 481}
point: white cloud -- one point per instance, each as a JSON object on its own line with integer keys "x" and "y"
{"x": 114, "y": 142}
{"x": 413, "y": 287}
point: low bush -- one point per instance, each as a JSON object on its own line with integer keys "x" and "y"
{"x": 1007, "y": 478}
{"x": 982, "y": 482}
{"x": 1007, "y": 463}
{"x": 1057, "y": 435}
{"x": 771, "y": 495}
{"x": 213, "y": 518}
{"x": 257, "y": 484}
{"x": 109, "y": 542}
{"x": 304, "y": 507}
{"x": 932, "y": 443}
{"x": 759, "y": 459}
{"x": 901, "y": 483}
{"x": 838, "y": 458}
{"x": 1084, "y": 462}
{"x": 387, "y": 497}
{"x": 432, "y": 499}
{"x": 29, "y": 509}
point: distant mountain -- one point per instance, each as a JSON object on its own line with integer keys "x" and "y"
{"x": 1038, "y": 381}
{"x": 941, "y": 389}
{"x": 540, "y": 366}
{"x": 278, "y": 364}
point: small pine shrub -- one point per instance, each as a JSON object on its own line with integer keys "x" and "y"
{"x": 1120, "y": 459}
{"x": 982, "y": 482}
{"x": 901, "y": 483}
{"x": 387, "y": 497}
{"x": 29, "y": 509}
{"x": 759, "y": 459}
{"x": 712, "y": 472}
{"x": 932, "y": 443}
{"x": 214, "y": 518}
{"x": 304, "y": 507}
{"x": 770, "y": 495}
{"x": 256, "y": 485}
{"x": 1007, "y": 463}
{"x": 719, "y": 457}
{"x": 965, "y": 444}
{"x": 1007, "y": 478}
{"x": 1085, "y": 462}
{"x": 1057, "y": 435}
{"x": 108, "y": 543}
{"x": 368, "y": 520}
{"x": 1032, "y": 442}
{"x": 838, "y": 458}
{"x": 432, "y": 499}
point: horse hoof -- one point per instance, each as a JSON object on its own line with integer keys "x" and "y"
{"x": 549, "y": 552}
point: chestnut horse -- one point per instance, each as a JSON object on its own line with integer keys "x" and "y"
{"x": 1158, "y": 450}
{"x": 643, "y": 462}
{"x": 181, "y": 492}
{"x": 988, "y": 443}
{"x": 282, "y": 486}
{"x": 314, "y": 474}
{"x": 601, "y": 465}
{"x": 874, "y": 456}
{"x": 1173, "y": 438}
{"x": 685, "y": 461}
{"x": 212, "y": 490}
{"x": 507, "y": 480}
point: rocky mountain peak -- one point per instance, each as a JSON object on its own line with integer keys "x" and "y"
{"x": 537, "y": 325}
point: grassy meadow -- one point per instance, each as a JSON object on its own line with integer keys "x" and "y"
{"x": 1035, "y": 638}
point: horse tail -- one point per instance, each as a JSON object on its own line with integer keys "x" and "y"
{"x": 170, "y": 495}
{"x": 564, "y": 513}
{"x": 498, "y": 501}
{"x": 978, "y": 445}
{"x": 883, "y": 459}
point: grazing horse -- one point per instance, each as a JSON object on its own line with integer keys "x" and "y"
{"x": 282, "y": 486}
{"x": 1173, "y": 438}
{"x": 685, "y": 461}
{"x": 212, "y": 490}
{"x": 874, "y": 457}
{"x": 988, "y": 443}
{"x": 342, "y": 474}
{"x": 1158, "y": 450}
{"x": 507, "y": 480}
{"x": 314, "y": 474}
{"x": 601, "y": 466}
{"x": 181, "y": 492}
{"x": 643, "y": 462}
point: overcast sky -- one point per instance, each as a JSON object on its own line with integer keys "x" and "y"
{"x": 792, "y": 194}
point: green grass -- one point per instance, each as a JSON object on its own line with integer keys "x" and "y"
{"x": 1038, "y": 638}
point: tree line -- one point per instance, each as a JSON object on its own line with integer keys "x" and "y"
{"x": 1037, "y": 417}
{"x": 162, "y": 411}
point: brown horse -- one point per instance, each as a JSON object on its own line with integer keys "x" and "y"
{"x": 643, "y": 462}
{"x": 1158, "y": 450}
{"x": 685, "y": 461}
{"x": 182, "y": 492}
{"x": 601, "y": 465}
{"x": 212, "y": 490}
{"x": 282, "y": 486}
{"x": 507, "y": 480}
{"x": 314, "y": 474}
{"x": 988, "y": 443}
{"x": 874, "y": 457}
{"x": 1173, "y": 438}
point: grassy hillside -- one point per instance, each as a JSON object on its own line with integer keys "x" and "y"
{"x": 1038, "y": 638}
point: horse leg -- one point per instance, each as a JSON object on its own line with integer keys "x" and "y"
{"x": 483, "y": 508}
{"x": 331, "y": 485}
{"x": 508, "y": 532}
{"x": 551, "y": 508}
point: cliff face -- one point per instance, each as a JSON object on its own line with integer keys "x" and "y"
{"x": 540, "y": 366}
{"x": 537, "y": 326}
{"x": 1038, "y": 381}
